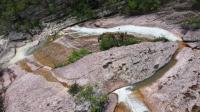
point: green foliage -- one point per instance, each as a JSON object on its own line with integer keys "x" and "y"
{"x": 109, "y": 40}
{"x": 196, "y": 4}
{"x": 191, "y": 23}
{"x": 97, "y": 101}
{"x": 74, "y": 89}
{"x": 10, "y": 15}
{"x": 141, "y": 6}
{"x": 82, "y": 9}
{"x": 160, "y": 39}
{"x": 76, "y": 55}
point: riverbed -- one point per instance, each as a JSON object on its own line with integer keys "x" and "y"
{"x": 125, "y": 95}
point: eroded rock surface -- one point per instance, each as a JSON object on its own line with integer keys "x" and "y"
{"x": 179, "y": 89}
{"x": 34, "y": 91}
{"x": 126, "y": 65}
{"x": 192, "y": 38}
{"x": 31, "y": 93}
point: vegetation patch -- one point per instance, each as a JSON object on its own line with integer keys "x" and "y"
{"x": 141, "y": 6}
{"x": 191, "y": 23}
{"x": 109, "y": 40}
{"x": 196, "y": 4}
{"x": 82, "y": 9}
{"x": 53, "y": 55}
{"x": 76, "y": 55}
{"x": 89, "y": 94}
{"x": 74, "y": 89}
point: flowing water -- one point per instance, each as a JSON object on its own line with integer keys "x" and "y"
{"x": 129, "y": 95}
{"x": 151, "y": 32}
{"x": 26, "y": 50}
{"x": 126, "y": 94}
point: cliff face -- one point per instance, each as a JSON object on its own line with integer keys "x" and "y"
{"x": 26, "y": 15}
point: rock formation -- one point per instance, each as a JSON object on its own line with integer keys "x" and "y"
{"x": 32, "y": 91}
{"x": 178, "y": 89}
{"x": 129, "y": 64}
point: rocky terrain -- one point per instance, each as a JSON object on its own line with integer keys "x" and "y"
{"x": 62, "y": 69}
{"x": 178, "y": 89}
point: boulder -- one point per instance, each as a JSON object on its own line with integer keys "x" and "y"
{"x": 192, "y": 36}
{"x": 178, "y": 90}
{"x": 124, "y": 65}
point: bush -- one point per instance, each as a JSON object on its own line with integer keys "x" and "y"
{"x": 74, "y": 89}
{"x": 196, "y": 4}
{"x": 142, "y": 6}
{"x": 109, "y": 40}
{"x": 76, "y": 55}
{"x": 81, "y": 9}
{"x": 191, "y": 23}
{"x": 97, "y": 101}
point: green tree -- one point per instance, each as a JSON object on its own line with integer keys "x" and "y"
{"x": 142, "y": 6}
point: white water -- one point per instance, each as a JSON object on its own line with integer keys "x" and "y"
{"x": 21, "y": 52}
{"x": 126, "y": 96}
{"x": 148, "y": 31}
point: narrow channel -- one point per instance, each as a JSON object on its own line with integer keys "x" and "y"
{"x": 131, "y": 97}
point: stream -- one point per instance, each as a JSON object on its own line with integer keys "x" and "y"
{"x": 130, "y": 95}
{"x": 126, "y": 94}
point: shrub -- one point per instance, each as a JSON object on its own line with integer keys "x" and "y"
{"x": 97, "y": 101}
{"x": 142, "y": 6}
{"x": 76, "y": 55}
{"x": 160, "y": 39}
{"x": 109, "y": 40}
{"x": 74, "y": 89}
{"x": 196, "y": 4}
{"x": 191, "y": 23}
{"x": 81, "y": 9}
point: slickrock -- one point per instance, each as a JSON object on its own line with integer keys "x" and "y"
{"x": 32, "y": 93}
{"x": 117, "y": 66}
{"x": 126, "y": 65}
{"x": 179, "y": 89}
